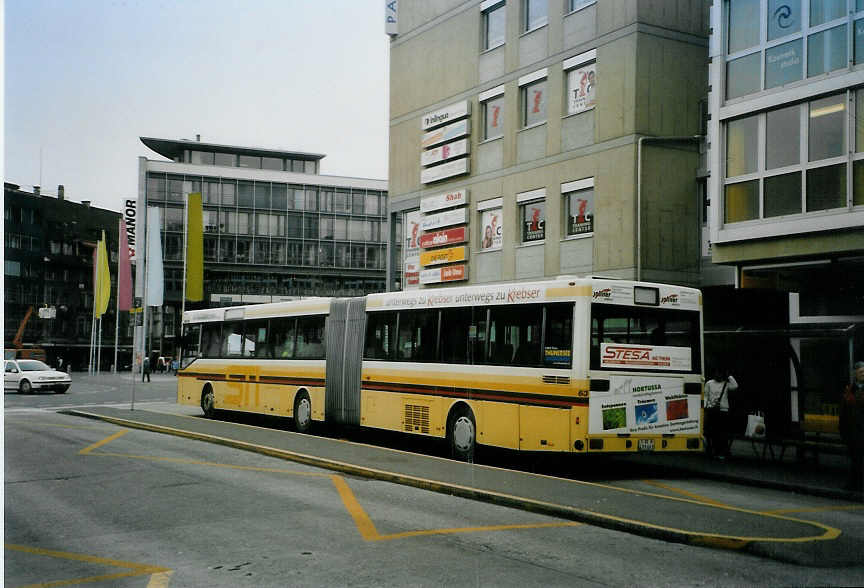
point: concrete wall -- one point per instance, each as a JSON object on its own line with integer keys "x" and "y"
{"x": 651, "y": 72}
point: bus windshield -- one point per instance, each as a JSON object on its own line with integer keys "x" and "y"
{"x": 643, "y": 338}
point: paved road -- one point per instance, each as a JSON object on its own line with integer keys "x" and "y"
{"x": 110, "y": 389}
{"x": 90, "y": 500}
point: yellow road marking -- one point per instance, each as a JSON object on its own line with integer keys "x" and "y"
{"x": 361, "y": 519}
{"x": 816, "y": 509}
{"x": 478, "y": 529}
{"x": 830, "y": 533}
{"x": 136, "y": 569}
{"x": 692, "y": 495}
{"x": 160, "y": 580}
{"x": 99, "y": 444}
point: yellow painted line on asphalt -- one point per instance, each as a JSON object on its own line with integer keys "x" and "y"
{"x": 105, "y": 441}
{"x": 361, "y": 519}
{"x": 211, "y": 464}
{"x": 160, "y": 580}
{"x": 694, "y": 496}
{"x": 552, "y": 509}
{"x": 816, "y": 509}
{"x": 136, "y": 569}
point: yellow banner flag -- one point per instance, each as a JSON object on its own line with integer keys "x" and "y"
{"x": 102, "y": 288}
{"x": 194, "y": 248}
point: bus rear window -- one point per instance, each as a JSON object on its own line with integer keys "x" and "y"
{"x": 643, "y": 327}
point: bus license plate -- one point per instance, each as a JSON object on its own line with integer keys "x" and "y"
{"x": 646, "y": 445}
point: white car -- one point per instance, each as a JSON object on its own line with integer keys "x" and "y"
{"x": 27, "y": 375}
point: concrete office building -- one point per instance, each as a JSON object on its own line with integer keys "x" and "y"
{"x": 786, "y": 164}
{"x": 274, "y": 227}
{"x": 515, "y": 130}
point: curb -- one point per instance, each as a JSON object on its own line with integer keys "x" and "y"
{"x": 771, "y": 548}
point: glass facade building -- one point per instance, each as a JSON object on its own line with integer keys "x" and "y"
{"x": 274, "y": 228}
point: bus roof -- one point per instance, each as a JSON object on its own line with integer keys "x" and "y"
{"x": 560, "y": 289}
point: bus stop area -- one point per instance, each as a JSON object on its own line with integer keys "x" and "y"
{"x": 656, "y": 513}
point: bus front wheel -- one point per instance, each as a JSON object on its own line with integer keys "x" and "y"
{"x": 462, "y": 434}
{"x": 302, "y": 413}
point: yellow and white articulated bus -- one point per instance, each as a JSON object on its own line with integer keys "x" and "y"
{"x": 580, "y": 365}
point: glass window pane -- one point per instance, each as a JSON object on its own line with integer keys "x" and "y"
{"x": 211, "y": 193}
{"x": 380, "y": 336}
{"x": 228, "y": 189}
{"x": 262, "y": 224}
{"x": 325, "y": 254}
{"x": 581, "y": 88}
{"x": 244, "y": 247}
{"x": 262, "y": 251}
{"x": 535, "y": 13}
{"x": 340, "y": 229}
{"x": 173, "y": 219}
{"x": 175, "y": 188}
{"x": 232, "y": 340}
{"x": 310, "y": 227}
{"x": 515, "y": 334}
{"x": 822, "y": 11}
{"x": 534, "y": 103}
{"x": 858, "y": 35}
{"x": 277, "y": 252}
{"x": 858, "y": 183}
{"x": 494, "y": 26}
{"x": 744, "y": 75}
{"x": 249, "y": 161}
{"x": 826, "y": 187}
{"x": 784, "y": 18}
{"x": 783, "y": 64}
{"x": 357, "y": 198}
{"x": 783, "y": 136}
{"x": 299, "y": 198}
{"x": 827, "y": 133}
{"x": 311, "y": 199}
{"x": 783, "y": 194}
{"x": 156, "y": 187}
{"x": 293, "y": 226}
{"x": 343, "y": 201}
{"x": 741, "y": 202}
{"x": 244, "y": 194}
{"x": 271, "y": 163}
{"x": 262, "y": 195}
{"x": 492, "y": 120}
{"x": 826, "y": 51}
{"x": 297, "y": 166}
{"x": 201, "y": 157}
{"x": 859, "y": 121}
{"x": 279, "y": 196}
{"x": 534, "y": 221}
{"x": 743, "y": 24}
{"x": 558, "y": 340}
{"x": 741, "y": 146}
{"x": 309, "y": 167}
{"x": 580, "y": 212}
{"x": 326, "y": 227}
{"x": 371, "y": 205}
{"x": 225, "y": 159}
{"x": 310, "y": 337}
{"x": 227, "y": 250}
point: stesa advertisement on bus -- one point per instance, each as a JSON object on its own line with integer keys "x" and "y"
{"x": 644, "y": 406}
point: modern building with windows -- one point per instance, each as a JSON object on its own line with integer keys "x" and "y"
{"x": 48, "y": 265}
{"x": 274, "y": 227}
{"x": 546, "y": 137}
{"x": 786, "y": 163}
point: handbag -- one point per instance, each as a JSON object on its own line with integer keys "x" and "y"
{"x": 755, "y": 426}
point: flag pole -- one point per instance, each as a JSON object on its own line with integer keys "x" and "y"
{"x": 183, "y": 290}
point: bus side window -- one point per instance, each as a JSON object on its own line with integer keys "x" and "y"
{"x": 519, "y": 328}
{"x": 282, "y": 334}
{"x": 310, "y": 337}
{"x": 380, "y": 335}
{"x": 418, "y": 335}
{"x": 232, "y": 340}
{"x": 255, "y": 339}
{"x": 211, "y": 337}
{"x": 455, "y": 332}
{"x": 557, "y": 340}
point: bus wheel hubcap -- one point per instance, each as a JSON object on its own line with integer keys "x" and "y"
{"x": 463, "y": 433}
{"x": 303, "y": 411}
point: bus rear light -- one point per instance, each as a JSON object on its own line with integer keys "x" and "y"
{"x": 599, "y": 386}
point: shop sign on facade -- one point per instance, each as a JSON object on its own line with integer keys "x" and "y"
{"x": 439, "y": 256}
{"x": 445, "y": 237}
{"x": 450, "y": 273}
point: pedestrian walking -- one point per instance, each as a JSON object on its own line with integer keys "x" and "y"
{"x": 852, "y": 426}
{"x": 716, "y": 425}
{"x": 145, "y": 370}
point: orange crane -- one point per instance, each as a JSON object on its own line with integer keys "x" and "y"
{"x": 20, "y": 334}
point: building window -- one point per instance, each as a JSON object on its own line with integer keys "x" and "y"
{"x": 574, "y": 5}
{"x": 494, "y": 19}
{"x": 225, "y": 159}
{"x": 12, "y": 268}
{"x": 534, "y": 14}
{"x": 532, "y": 214}
{"x": 822, "y": 11}
{"x": 493, "y": 121}
{"x": 249, "y": 161}
{"x": 581, "y": 82}
{"x": 493, "y": 231}
{"x": 533, "y": 103}
{"x": 229, "y": 189}
{"x": 826, "y": 51}
{"x": 201, "y": 157}
{"x": 578, "y": 200}
{"x": 275, "y": 163}
{"x": 769, "y": 174}
{"x": 858, "y": 41}
{"x": 262, "y": 195}
{"x": 784, "y": 18}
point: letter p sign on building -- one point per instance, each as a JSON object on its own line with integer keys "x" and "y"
{"x": 391, "y": 17}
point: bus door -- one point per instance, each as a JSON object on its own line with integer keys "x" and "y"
{"x": 345, "y": 335}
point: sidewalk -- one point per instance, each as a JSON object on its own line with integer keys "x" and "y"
{"x": 649, "y": 514}
{"x": 746, "y": 465}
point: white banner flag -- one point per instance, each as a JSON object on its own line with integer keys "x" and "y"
{"x": 155, "y": 277}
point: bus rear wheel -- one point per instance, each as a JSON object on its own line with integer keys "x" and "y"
{"x": 208, "y": 402}
{"x": 302, "y": 413}
{"x": 462, "y": 434}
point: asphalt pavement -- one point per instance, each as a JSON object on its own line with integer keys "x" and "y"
{"x": 663, "y": 516}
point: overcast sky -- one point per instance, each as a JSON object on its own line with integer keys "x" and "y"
{"x": 84, "y": 79}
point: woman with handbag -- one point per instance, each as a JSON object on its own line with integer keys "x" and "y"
{"x": 716, "y": 425}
